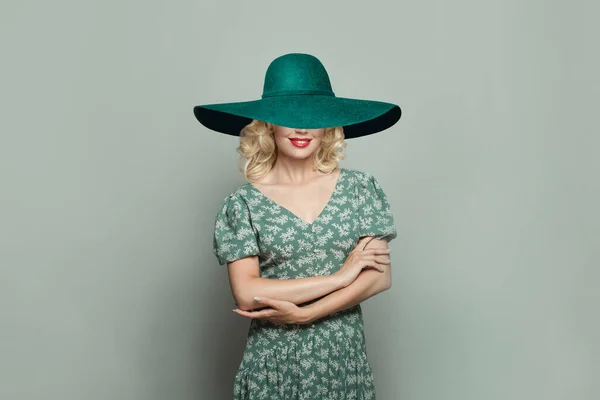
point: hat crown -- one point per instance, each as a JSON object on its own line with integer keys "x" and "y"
{"x": 296, "y": 74}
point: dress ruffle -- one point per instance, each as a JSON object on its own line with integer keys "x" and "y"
{"x": 334, "y": 369}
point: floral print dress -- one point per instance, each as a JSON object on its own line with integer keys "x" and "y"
{"x": 326, "y": 359}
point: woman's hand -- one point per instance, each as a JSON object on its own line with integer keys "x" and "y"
{"x": 359, "y": 259}
{"x": 279, "y": 312}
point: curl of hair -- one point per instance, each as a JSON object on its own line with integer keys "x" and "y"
{"x": 258, "y": 150}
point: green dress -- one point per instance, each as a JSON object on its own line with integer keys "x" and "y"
{"x": 326, "y": 359}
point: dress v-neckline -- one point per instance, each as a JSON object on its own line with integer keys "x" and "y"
{"x": 335, "y": 190}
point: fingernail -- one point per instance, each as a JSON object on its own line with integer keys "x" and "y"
{"x": 256, "y": 298}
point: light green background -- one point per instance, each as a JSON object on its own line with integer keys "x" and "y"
{"x": 108, "y": 286}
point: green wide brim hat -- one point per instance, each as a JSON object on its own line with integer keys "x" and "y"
{"x": 297, "y": 93}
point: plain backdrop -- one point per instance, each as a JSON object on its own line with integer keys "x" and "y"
{"x": 109, "y": 188}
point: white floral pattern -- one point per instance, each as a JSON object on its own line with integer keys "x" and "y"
{"x": 325, "y": 360}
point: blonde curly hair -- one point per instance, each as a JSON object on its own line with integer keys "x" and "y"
{"x": 258, "y": 150}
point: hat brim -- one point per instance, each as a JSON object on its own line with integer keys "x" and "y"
{"x": 358, "y": 117}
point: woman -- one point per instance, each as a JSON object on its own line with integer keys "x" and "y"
{"x": 303, "y": 238}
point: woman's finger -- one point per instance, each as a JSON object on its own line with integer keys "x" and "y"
{"x": 375, "y": 265}
{"x": 378, "y": 266}
{"x": 383, "y": 260}
{"x": 378, "y": 250}
{"x": 265, "y": 313}
{"x": 379, "y": 259}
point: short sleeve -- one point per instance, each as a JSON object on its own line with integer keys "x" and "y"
{"x": 375, "y": 214}
{"x": 234, "y": 236}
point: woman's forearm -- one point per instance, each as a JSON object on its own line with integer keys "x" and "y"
{"x": 368, "y": 283}
{"x": 297, "y": 291}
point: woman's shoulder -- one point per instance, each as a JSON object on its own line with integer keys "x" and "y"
{"x": 359, "y": 175}
{"x": 364, "y": 182}
{"x": 236, "y": 198}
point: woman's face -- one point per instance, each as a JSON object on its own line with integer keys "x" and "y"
{"x": 297, "y": 143}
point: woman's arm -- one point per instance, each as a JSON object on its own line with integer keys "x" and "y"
{"x": 368, "y": 283}
{"x": 245, "y": 281}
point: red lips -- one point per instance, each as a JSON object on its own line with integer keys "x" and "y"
{"x": 300, "y": 142}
